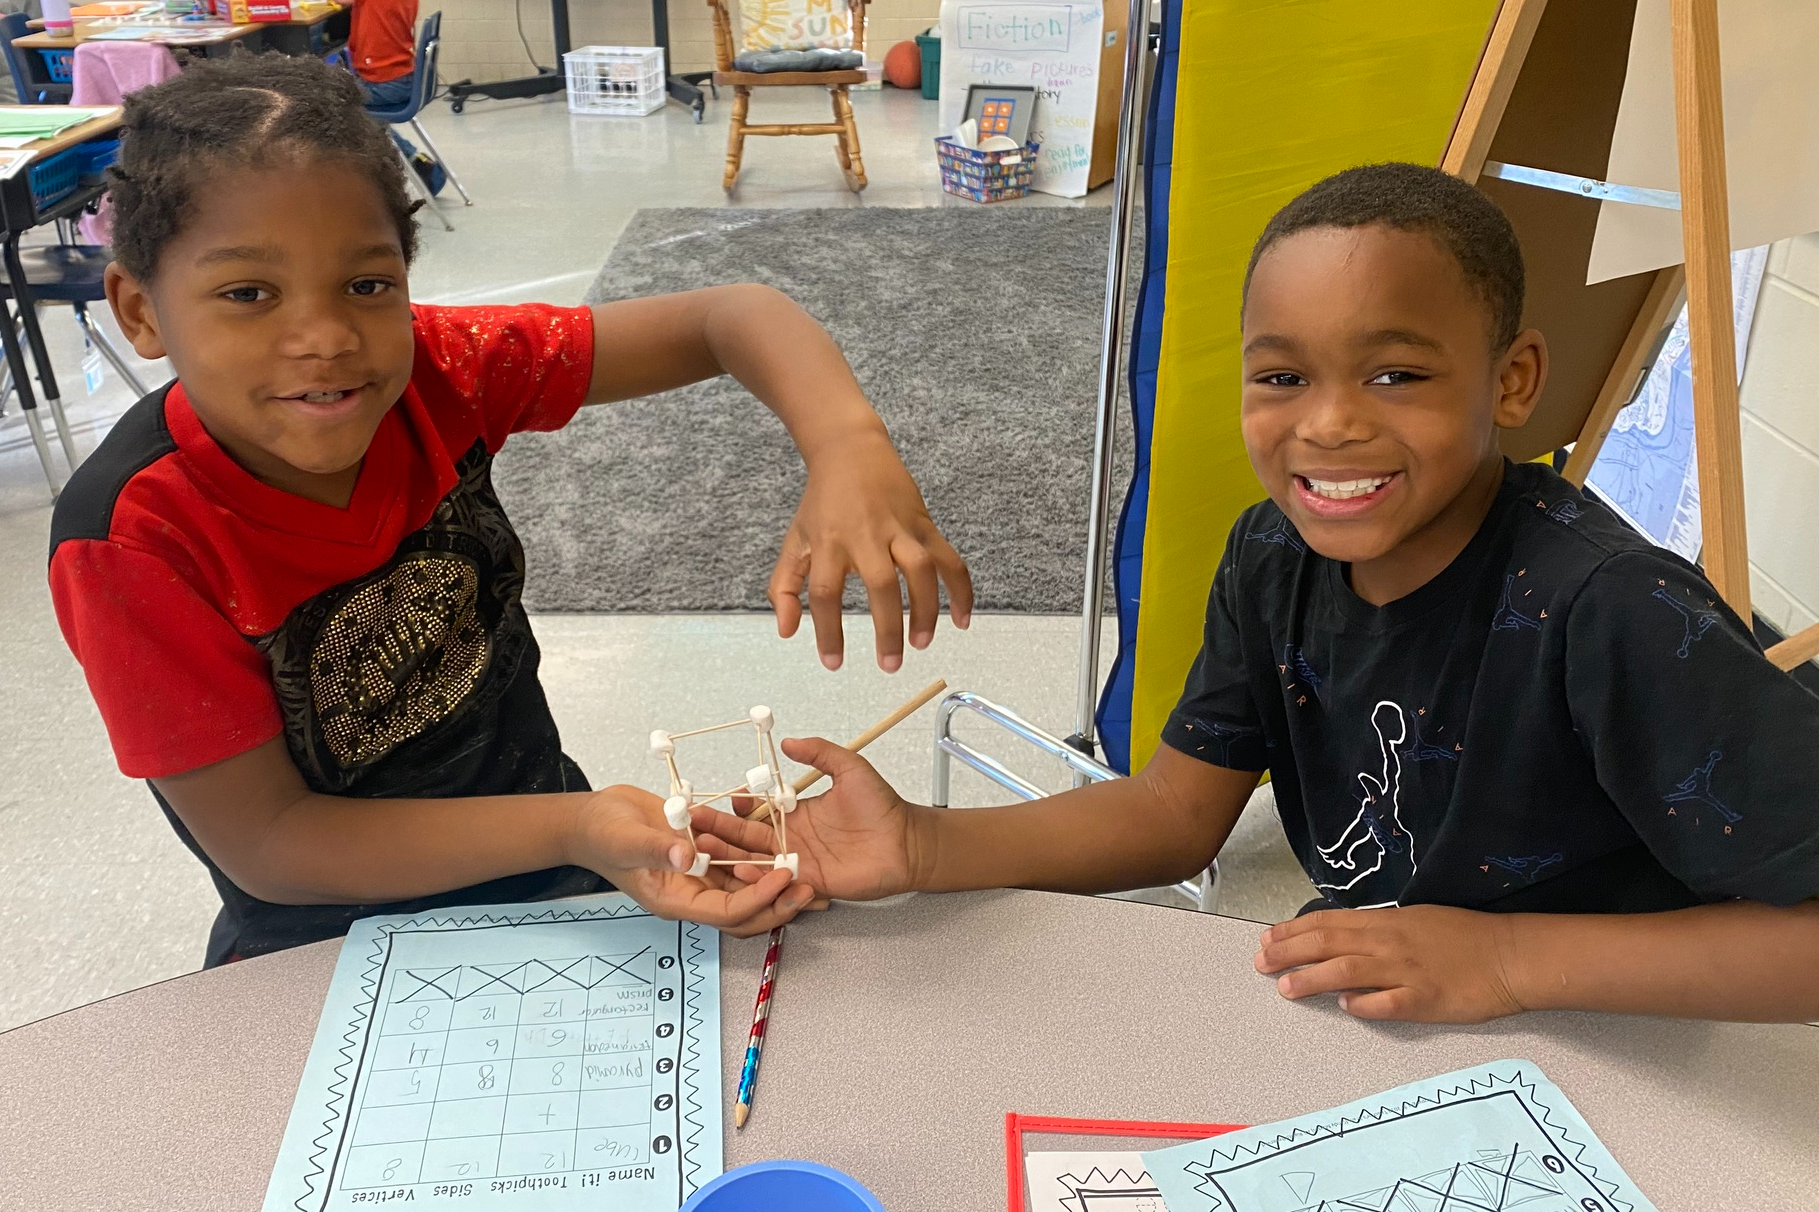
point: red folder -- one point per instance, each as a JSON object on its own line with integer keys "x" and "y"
{"x": 1016, "y": 1124}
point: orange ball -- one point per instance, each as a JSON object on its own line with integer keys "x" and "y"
{"x": 903, "y": 65}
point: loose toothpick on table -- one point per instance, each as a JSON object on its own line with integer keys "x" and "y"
{"x": 761, "y": 1013}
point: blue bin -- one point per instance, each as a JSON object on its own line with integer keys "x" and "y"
{"x": 94, "y": 158}
{"x": 61, "y": 64}
{"x": 55, "y": 177}
{"x": 783, "y": 1186}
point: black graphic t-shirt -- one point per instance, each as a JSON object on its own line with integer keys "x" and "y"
{"x": 1565, "y": 719}
{"x": 385, "y": 641}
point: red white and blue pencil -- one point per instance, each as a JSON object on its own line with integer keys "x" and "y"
{"x": 761, "y": 1017}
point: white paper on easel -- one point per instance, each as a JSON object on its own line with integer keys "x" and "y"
{"x": 1770, "y": 53}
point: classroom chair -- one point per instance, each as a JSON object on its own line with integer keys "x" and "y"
{"x": 837, "y": 83}
{"x": 72, "y": 274}
{"x": 429, "y": 46}
{"x": 18, "y": 25}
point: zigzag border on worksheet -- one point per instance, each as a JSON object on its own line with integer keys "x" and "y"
{"x": 1471, "y": 1088}
{"x": 693, "y": 1114}
{"x": 339, "y": 1089}
{"x": 1096, "y": 1181}
{"x": 1096, "y": 1176}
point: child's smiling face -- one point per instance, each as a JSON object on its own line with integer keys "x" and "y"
{"x": 283, "y": 306}
{"x": 1372, "y": 399}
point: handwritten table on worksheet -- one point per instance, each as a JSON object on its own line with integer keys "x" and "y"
{"x": 470, "y": 1059}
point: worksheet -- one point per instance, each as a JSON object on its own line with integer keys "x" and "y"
{"x": 1495, "y": 1138}
{"x": 1090, "y": 1182}
{"x": 541, "y": 1057}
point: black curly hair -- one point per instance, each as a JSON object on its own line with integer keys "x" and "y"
{"x": 244, "y": 111}
{"x": 1417, "y": 198}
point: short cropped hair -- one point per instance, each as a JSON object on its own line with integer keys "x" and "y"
{"x": 244, "y": 111}
{"x": 1417, "y": 198}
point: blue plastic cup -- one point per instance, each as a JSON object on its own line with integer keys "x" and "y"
{"x": 775, "y": 1186}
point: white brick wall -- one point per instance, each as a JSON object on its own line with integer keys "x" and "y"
{"x": 480, "y": 37}
{"x": 1781, "y": 438}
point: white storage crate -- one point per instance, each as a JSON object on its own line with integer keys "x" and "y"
{"x": 624, "y": 80}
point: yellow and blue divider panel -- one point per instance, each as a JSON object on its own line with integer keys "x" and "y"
{"x": 1255, "y": 100}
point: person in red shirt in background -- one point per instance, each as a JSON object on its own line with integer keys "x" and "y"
{"x": 382, "y": 46}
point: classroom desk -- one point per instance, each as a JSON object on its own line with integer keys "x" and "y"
{"x": 319, "y": 33}
{"x": 19, "y": 213}
{"x": 85, "y": 31}
{"x": 900, "y": 1035}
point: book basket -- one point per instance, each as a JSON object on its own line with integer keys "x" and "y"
{"x": 985, "y": 176}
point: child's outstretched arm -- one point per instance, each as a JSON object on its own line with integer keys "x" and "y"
{"x": 283, "y": 843}
{"x": 861, "y": 840}
{"x": 1740, "y": 961}
{"x": 861, "y": 512}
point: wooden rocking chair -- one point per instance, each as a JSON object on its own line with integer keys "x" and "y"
{"x": 843, "y": 128}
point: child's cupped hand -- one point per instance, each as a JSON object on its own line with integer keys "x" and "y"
{"x": 1422, "y": 963}
{"x": 859, "y": 841}
{"x": 862, "y": 515}
{"x": 620, "y": 834}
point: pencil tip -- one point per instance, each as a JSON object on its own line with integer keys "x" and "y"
{"x": 740, "y": 1114}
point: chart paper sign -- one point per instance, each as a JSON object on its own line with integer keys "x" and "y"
{"x": 1054, "y": 48}
{"x": 549, "y": 1057}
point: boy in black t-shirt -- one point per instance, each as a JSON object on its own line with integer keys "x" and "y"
{"x": 1527, "y": 759}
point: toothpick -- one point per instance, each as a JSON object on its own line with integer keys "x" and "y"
{"x": 677, "y": 736}
{"x": 928, "y": 693}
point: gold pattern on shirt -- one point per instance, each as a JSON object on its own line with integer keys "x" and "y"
{"x": 399, "y": 656}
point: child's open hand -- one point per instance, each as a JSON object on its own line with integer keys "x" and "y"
{"x": 857, "y": 842}
{"x": 1423, "y": 963}
{"x": 621, "y": 834}
{"x": 862, "y": 513}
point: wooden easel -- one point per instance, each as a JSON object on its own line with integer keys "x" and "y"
{"x": 1545, "y": 96}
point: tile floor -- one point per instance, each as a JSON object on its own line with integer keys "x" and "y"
{"x": 96, "y": 894}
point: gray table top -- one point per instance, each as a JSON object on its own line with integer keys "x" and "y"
{"x": 900, "y": 1035}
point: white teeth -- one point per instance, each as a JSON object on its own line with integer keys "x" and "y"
{"x": 1345, "y": 490}
{"x": 322, "y": 397}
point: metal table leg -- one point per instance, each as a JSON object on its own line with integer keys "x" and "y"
{"x": 681, "y": 86}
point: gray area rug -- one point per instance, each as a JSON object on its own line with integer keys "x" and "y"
{"x": 975, "y": 332}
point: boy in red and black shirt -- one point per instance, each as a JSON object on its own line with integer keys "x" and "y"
{"x": 290, "y": 584}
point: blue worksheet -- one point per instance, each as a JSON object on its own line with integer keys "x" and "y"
{"x": 535, "y": 1057}
{"x": 1495, "y": 1138}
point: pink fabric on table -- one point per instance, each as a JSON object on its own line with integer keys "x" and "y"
{"x": 104, "y": 73}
